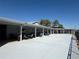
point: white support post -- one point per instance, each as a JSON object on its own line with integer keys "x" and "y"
{"x": 57, "y": 31}
{"x": 50, "y": 31}
{"x": 47, "y": 31}
{"x": 21, "y": 33}
{"x": 35, "y": 31}
{"x": 74, "y": 31}
{"x": 43, "y": 31}
{"x": 63, "y": 31}
{"x": 53, "y": 31}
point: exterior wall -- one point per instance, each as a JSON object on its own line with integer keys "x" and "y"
{"x": 12, "y": 29}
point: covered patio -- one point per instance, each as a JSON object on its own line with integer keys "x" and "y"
{"x": 11, "y": 30}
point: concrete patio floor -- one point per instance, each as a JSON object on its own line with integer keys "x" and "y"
{"x": 54, "y": 46}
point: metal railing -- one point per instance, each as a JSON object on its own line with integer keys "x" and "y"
{"x": 70, "y": 50}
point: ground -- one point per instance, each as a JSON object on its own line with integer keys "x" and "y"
{"x": 54, "y": 46}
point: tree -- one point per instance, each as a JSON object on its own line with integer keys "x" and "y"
{"x": 56, "y": 24}
{"x": 61, "y": 26}
{"x": 45, "y": 22}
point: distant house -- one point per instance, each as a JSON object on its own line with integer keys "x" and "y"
{"x": 56, "y": 26}
{"x": 36, "y": 23}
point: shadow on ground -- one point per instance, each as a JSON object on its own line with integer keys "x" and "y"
{"x": 3, "y": 42}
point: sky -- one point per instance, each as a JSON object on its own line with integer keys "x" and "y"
{"x": 65, "y": 11}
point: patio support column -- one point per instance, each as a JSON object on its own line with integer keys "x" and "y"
{"x": 53, "y": 31}
{"x": 21, "y": 33}
{"x": 74, "y": 31}
{"x": 43, "y": 31}
{"x": 63, "y": 31}
{"x": 35, "y": 31}
{"x": 47, "y": 31}
{"x": 57, "y": 31}
{"x": 50, "y": 31}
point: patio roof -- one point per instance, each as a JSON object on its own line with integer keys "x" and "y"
{"x": 8, "y": 21}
